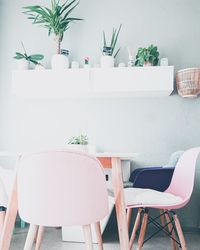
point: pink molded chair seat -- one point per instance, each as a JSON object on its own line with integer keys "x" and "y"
{"x": 176, "y": 196}
{"x": 62, "y": 188}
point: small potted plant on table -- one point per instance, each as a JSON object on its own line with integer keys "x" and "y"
{"x": 109, "y": 54}
{"x": 79, "y": 142}
{"x": 147, "y": 56}
{"x": 56, "y": 19}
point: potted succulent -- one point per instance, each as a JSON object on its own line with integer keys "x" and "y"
{"x": 147, "y": 56}
{"x": 56, "y": 19}
{"x": 24, "y": 59}
{"x": 79, "y": 142}
{"x": 109, "y": 54}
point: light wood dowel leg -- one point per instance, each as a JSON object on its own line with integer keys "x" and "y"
{"x": 120, "y": 204}
{"x": 129, "y": 214}
{"x": 162, "y": 218}
{"x": 170, "y": 226}
{"x": 39, "y": 238}
{"x": 99, "y": 235}
{"x": 180, "y": 232}
{"x": 30, "y": 237}
{"x": 88, "y": 237}
{"x": 2, "y": 219}
{"x": 135, "y": 228}
{"x": 142, "y": 231}
{"x": 10, "y": 218}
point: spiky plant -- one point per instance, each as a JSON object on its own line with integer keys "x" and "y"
{"x": 109, "y": 48}
{"x": 56, "y": 19}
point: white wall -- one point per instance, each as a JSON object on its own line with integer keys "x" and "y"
{"x": 153, "y": 127}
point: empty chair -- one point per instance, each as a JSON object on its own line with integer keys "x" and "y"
{"x": 62, "y": 188}
{"x": 176, "y": 196}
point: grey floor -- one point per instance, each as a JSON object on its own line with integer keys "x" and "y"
{"x": 52, "y": 241}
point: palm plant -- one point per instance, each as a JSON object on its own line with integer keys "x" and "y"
{"x": 108, "y": 49}
{"x": 56, "y": 19}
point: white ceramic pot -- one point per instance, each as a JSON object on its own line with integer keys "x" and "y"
{"x": 59, "y": 62}
{"x": 39, "y": 66}
{"x": 78, "y": 147}
{"x": 107, "y": 62}
{"x": 23, "y": 64}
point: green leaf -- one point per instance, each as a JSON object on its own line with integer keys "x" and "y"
{"x": 104, "y": 39}
{"x": 65, "y": 7}
{"x": 116, "y": 37}
{"x": 37, "y": 57}
{"x": 117, "y": 52}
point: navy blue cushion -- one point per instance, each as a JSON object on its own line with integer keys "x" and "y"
{"x": 157, "y": 178}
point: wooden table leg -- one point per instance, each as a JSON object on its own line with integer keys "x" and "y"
{"x": 10, "y": 218}
{"x": 120, "y": 204}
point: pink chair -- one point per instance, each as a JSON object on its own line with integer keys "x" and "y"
{"x": 62, "y": 188}
{"x": 176, "y": 196}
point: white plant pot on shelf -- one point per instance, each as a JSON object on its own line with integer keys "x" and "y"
{"x": 107, "y": 62}
{"x": 59, "y": 62}
{"x": 23, "y": 64}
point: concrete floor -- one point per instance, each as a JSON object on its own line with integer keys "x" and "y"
{"x": 52, "y": 241}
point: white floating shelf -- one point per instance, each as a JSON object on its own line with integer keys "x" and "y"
{"x": 94, "y": 82}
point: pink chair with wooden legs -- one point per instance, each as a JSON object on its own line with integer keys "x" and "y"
{"x": 176, "y": 196}
{"x": 61, "y": 188}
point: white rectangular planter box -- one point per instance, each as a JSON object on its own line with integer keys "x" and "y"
{"x": 50, "y": 83}
{"x": 136, "y": 81}
{"x": 94, "y": 82}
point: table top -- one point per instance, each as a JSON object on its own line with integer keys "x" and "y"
{"x": 122, "y": 156}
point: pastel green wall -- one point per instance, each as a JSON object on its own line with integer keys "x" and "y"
{"x": 153, "y": 127}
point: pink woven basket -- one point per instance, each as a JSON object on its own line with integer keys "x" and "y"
{"x": 188, "y": 82}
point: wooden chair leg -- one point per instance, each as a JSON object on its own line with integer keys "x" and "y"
{"x": 99, "y": 235}
{"x": 88, "y": 237}
{"x": 129, "y": 214}
{"x": 162, "y": 218}
{"x": 39, "y": 237}
{"x": 30, "y": 237}
{"x": 2, "y": 218}
{"x": 180, "y": 232}
{"x": 142, "y": 231}
{"x": 170, "y": 226}
{"x": 135, "y": 227}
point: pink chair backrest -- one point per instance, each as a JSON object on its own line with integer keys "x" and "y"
{"x": 183, "y": 178}
{"x": 61, "y": 188}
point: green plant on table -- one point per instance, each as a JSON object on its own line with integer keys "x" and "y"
{"x": 80, "y": 140}
{"x": 146, "y": 56}
{"x": 56, "y": 19}
{"x": 109, "y": 48}
{"x": 32, "y": 58}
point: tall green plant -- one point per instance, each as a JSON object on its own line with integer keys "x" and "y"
{"x": 56, "y": 19}
{"x": 108, "y": 49}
